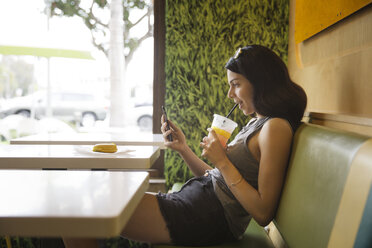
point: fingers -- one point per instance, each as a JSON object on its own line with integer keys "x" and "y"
{"x": 204, "y": 151}
{"x": 205, "y": 141}
{"x": 173, "y": 129}
{"x": 166, "y": 135}
{"x": 204, "y": 144}
{"x": 164, "y": 127}
{"x": 164, "y": 124}
{"x": 209, "y": 143}
{"x": 212, "y": 132}
{"x": 165, "y": 131}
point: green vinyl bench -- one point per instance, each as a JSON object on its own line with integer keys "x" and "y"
{"x": 327, "y": 196}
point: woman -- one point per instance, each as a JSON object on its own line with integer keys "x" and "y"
{"x": 246, "y": 181}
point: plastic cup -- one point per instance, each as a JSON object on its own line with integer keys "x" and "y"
{"x": 224, "y": 127}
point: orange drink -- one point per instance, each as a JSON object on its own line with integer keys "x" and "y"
{"x": 223, "y": 135}
{"x": 223, "y": 127}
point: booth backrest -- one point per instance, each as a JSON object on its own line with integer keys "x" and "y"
{"x": 326, "y": 199}
{"x": 353, "y": 224}
{"x": 363, "y": 236}
{"x": 318, "y": 169}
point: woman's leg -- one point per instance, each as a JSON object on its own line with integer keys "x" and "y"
{"x": 146, "y": 224}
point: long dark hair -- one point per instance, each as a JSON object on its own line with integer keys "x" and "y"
{"x": 274, "y": 93}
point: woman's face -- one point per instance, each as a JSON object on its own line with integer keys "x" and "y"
{"x": 241, "y": 91}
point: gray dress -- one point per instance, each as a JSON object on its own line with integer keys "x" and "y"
{"x": 239, "y": 154}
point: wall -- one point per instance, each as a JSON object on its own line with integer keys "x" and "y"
{"x": 200, "y": 37}
{"x": 334, "y": 68}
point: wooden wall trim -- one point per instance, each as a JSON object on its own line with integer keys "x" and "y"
{"x": 341, "y": 118}
{"x": 356, "y": 124}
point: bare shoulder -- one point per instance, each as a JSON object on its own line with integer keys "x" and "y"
{"x": 276, "y": 128}
{"x": 278, "y": 124}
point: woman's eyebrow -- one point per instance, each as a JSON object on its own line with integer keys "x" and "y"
{"x": 234, "y": 79}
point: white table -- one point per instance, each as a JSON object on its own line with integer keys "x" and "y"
{"x": 76, "y": 157}
{"x": 39, "y": 203}
{"x": 134, "y": 138}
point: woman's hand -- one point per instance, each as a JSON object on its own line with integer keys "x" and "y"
{"x": 179, "y": 140}
{"x": 213, "y": 150}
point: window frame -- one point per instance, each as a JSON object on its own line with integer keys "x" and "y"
{"x": 159, "y": 63}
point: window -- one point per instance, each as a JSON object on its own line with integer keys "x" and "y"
{"x": 61, "y": 75}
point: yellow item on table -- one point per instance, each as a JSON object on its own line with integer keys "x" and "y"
{"x": 105, "y": 147}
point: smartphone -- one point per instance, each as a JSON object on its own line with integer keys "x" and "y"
{"x": 169, "y": 137}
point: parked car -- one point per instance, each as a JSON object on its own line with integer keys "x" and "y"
{"x": 142, "y": 115}
{"x": 69, "y": 106}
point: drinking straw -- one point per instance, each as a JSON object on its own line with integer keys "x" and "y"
{"x": 227, "y": 116}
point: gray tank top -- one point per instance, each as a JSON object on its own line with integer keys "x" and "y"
{"x": 242, "y": 158}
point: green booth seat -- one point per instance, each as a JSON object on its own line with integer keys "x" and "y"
{"x": 254, "y": 236}
{"x": 364, "y": 236}
{"x": 316, "y": 192}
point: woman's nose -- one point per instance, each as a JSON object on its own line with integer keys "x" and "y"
{"x": 230, "y": 93}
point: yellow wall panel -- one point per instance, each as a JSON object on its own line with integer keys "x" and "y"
{"x": 334, "y": 68}
{"x": 313, "y": 16}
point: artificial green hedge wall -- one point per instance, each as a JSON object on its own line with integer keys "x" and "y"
{"x": 200, "y": 37}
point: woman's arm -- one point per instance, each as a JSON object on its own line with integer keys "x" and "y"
{"x": 274, "y": 142}
{"x": 196, "y": 165}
